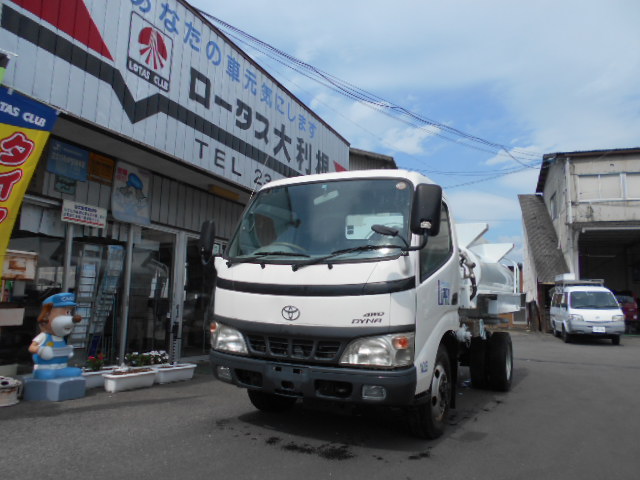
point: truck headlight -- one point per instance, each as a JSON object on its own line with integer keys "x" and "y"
{"x": 576, "y": 318}
{"x": 227, "y": 339}
{"x": 617, "y": 318}
{"x": 385, "y": 351}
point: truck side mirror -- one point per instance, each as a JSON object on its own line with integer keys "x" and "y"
{"x": 207, "y": 240}
{"x": 426, "y": 210}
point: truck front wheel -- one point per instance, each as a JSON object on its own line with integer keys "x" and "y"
{"x": 269, "y": 402}
{"x": 428, "y": 420}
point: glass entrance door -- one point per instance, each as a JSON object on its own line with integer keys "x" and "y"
{"x": 198, "y": 287}
{"x": 150, "y": 294}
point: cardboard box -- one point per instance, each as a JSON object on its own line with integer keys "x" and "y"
{"x": 19, "y": 265}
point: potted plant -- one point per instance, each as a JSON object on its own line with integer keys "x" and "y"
{"x": 175, "y": 372}
{"x": 136, "y": 373}
{"x": 128, "y": 378}
{"x": 168, "y": 372}
{"x": 158, "y": 358}
{"x": 93, "y": 370}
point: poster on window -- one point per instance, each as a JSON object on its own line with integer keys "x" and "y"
{"x": 24, "y": 129}
{"x": 130, "y": 194}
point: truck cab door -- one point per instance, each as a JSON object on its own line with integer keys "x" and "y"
{"x": 437, "y": 295}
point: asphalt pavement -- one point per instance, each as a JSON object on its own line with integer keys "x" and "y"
{"x": 572, "y": 413}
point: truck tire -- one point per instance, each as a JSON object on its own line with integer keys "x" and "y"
{"x": 615, "y": 339}
{"x": 500, "y": 361}
{"x": 270, "y": 402}
{"x": 478, "y": 362}
{"x": 428, "y": 420}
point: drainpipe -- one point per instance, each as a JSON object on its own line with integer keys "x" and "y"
{"x": 572, "y": 244}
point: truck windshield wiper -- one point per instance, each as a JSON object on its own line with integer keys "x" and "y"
{"x": 336, "y": 253}
{"x": 258, "y": 255}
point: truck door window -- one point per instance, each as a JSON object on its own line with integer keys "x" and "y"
{"x": 438, "y": 249}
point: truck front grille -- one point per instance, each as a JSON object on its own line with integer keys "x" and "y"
{"x": 289, "y": 348}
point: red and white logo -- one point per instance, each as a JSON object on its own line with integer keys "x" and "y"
{"x": 150, "y": 52}
{"x": 153, "y": 48}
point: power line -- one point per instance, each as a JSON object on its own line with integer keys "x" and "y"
{"x": 357, "y": 94}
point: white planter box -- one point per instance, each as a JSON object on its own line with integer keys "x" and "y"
{"x": 94, "y": 379}
{"x": 129, "y": 381}
{"x": 175, "y": 373}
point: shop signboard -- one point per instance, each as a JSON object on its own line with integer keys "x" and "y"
{"x": 81, "y": 214}
{"x": 130, "y": 194}
{"x": 67, "y": 160}
{"x": 157, "y": 72}
{"x": 101, "y": 168}
{"x": 24, "y": 129}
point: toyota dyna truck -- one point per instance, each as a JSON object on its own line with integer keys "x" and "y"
{"x": 357, "y": 287}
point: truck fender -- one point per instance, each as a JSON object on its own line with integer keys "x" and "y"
{"x": 426, "y": 354}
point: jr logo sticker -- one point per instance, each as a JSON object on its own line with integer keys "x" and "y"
{"x": 444, "y": 293}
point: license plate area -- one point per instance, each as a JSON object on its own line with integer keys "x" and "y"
{"x": 288, "y": 379}
{"x": 599, "y": 330}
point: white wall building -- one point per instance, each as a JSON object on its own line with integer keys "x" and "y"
{"x": 163, "y": 122}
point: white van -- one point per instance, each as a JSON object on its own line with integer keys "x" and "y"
{"x": 585, "y": 307}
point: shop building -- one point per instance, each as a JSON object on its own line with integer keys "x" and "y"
{"x": 162, "y": 123}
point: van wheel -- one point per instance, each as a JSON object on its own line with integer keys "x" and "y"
{"x": 269, "y": 402}
{"x": 500, "y": 361}
{"x": 478, "y": 362}
{"x": 428, "y": 420}
{"x": 615, "y": 339}
{"x": 566, "y": 338}
{"x": 556, "y": 333}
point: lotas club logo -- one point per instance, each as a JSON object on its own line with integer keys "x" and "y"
{"x": 153, "y": 48}
{"x": 150, "y": 52}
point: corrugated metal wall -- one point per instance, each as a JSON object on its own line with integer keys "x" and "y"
{"x": 173, "y": 204}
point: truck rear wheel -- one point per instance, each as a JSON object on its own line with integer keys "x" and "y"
{"x": 428, "y": 420}
{"x": 269, "y": 402}
{"x": 478, "y": 362}
{"x": 500, "y": 361}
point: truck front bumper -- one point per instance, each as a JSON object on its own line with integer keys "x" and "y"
{"x": 349, "y": 385}
{"x": 605, "y": 329}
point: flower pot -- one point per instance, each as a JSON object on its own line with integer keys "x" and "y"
{"x": 94, "y": 378}
{"x": 10, "y": 390}
{"x": 120, "y": 381}
{"x": 175, "y": 373}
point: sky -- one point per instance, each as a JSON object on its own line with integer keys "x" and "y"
{"x": 530, "y": 77}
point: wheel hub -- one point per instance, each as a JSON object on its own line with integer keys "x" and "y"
{"x": 440, "y": 392}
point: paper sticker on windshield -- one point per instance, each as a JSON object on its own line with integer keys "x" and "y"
{"x": 401, "y": 185}
{"x": 444, "y": 293}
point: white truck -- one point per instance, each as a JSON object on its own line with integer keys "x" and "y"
{"x": 357, "y": 287}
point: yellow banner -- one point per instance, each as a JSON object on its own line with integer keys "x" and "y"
{"x": 20, "y": 150}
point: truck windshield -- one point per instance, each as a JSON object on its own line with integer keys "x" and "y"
{"x": 299, "y": 223}
{"x": 602, "y": 300}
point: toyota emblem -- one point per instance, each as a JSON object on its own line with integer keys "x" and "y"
{"x": 290, "y": 313}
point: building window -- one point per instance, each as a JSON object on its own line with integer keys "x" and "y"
{"x": 601, "y": 187}
{"x": 632, "y": 185}
{"x": 553, "y": 207}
